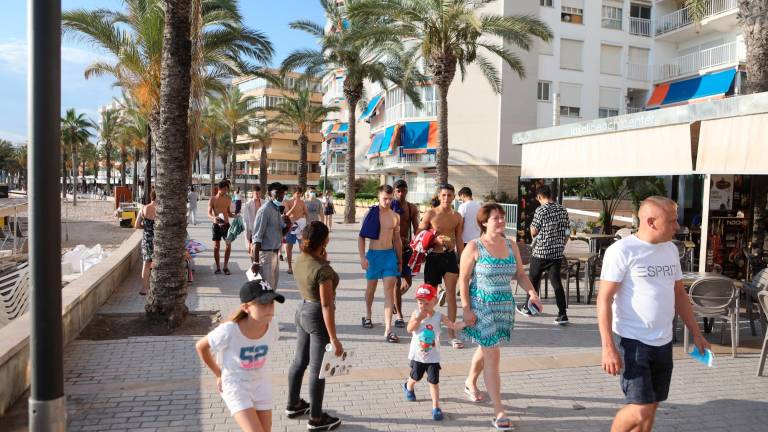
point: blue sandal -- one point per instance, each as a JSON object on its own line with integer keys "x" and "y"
{"x": 437, "y": 414}
{"x": 410, "y": 395}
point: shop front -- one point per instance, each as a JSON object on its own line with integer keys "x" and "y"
{"x": 713, "y": 157}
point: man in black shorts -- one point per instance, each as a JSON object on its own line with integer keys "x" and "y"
{"x": 219, "y": 212}
{"x": 641, "y": 291}
{"x": 442, "y": 264}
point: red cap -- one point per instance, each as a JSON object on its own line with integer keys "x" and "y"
{"x": 426, "y": 292}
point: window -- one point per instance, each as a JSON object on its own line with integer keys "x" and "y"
{"x": 543, "y": 92}
{"x": 570, "y": 100}
{"x": 547, "y": 3}
{"x": 609, "y": 101}
{"x": 570, "y": 54}
{"x": 607, "y": 112}
{"x": 252, "y": 84}
{"x": 640, "y": 11}
{"x": 572, "y": 11}
{"x": 610, "y": 59}
{"x": 612, "y": 17}
{"x": 428, "y": 103}
{"x": 394, "y": 105}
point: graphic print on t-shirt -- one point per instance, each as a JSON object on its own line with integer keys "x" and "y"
{"x": 253, "y": 357}
{"x": 427, "y": 339}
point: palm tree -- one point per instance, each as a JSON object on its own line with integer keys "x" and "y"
{"x": 75, "y": 131}
{"x": 212, "y": 128}
{"x": 450, "y": 34}
{"x": 362, "y": 60}
{"x": 107, "y": 131}
{"x": 300, "y": 114}
{"x": 263, "y": 134}
{"x": 134, "y": 126}
{"x": 168, "y": 289}
{"x": 234, "y": 110}
{"x": 753, "y": 19}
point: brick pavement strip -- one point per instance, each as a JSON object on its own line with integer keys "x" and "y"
{"x": 550, "y": 375}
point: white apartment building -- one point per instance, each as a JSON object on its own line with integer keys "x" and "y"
{"x": 607, "y": 58}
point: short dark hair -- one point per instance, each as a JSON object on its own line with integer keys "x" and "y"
{"x": 223, "y": 184}
{"x": 257, "y": 188}
{"x": 465, "y": 191}
{"x": 400, "y": 184}
{"x": 447, "y": 186}
{"x": 544, "y": 191}
{"x": 385, "y": 188}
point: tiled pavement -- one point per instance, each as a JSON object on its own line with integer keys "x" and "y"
{"x": 550, "y": 375}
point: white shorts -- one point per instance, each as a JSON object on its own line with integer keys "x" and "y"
{"x": 243, "y": 394}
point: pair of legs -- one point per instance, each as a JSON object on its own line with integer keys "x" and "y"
{"x": 191, "y": 215}
{"x": 433, "y": 378}
{"x": 328, "y": 221}
{"x": 486, "y": 361}
{"x": 290, "y": 240}
{"x": 403, "y": 284}
{"x": 444, "y": 267}
{"x": 146, "y": 271}
{"x": 389, "y": 297}
{"x": 552, "y": 267}
{"x": 269, "y": 268}
{"x": 217, "y": 255}
{"x": 311, "y": 339}
{"x": 635, "y": 418}
{"x": 253, "y": 420}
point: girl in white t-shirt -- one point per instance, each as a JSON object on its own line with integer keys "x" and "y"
{"x": 242, "y": 346}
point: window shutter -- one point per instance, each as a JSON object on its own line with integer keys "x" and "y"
{"x": 570, "y": 95}
{"x": 609, "y": 97}
{"x": 570, "y": 54}
{"x": 610, "y": 59}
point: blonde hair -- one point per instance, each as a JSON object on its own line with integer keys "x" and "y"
{"x": 240, "y": 314}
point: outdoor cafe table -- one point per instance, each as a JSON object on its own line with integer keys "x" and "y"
{"x": 584, "y": 258}
{"x": 593, "y": 239}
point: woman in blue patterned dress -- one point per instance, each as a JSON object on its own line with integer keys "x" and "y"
{"x": 488, "y": 266}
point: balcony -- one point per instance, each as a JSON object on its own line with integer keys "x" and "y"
{"x": 729, "y": 54}
{"x": 639, "y": 72}
{"x": 402, "y": 160}
{"x": 337, "y": 169}
{"x": 640, "y": 26}
{"x": 681, "y": 18}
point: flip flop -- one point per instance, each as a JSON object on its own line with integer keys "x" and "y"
{"x": 475, "y": 397}
{"x": 367, "y": 323}
{"x": 218, "y": 271}
{"x": 502, "y": 423}
{"x": 227, "y": 272}
{"x": 392, "y": 338}
{"x": 457, "y": 344}
{"x": 399, "y": 323}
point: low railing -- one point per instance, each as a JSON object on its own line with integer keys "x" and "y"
{"x": 632, "y": 110}
{"x": 639, "y": 72}
{"x": 682, "y": 17}
{"x": 402, "y": 160}
{"x": 640, "y": 26}
{"x": 690, "y": 64}
{"x": 510, "y": 216}
{"x": 337, "y": 168}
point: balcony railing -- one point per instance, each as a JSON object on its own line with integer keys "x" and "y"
{"x": 682, "y": 17}
{"x": 402, "y": 160}
{"x": 640, "y": 26}
{"x": 639, "y": 72}
{"x": 632, "y": 110}
{"x": 337, "y": 168}
{"x": 690, "y": 64}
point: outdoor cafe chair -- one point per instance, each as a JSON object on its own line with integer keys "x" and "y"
{"x": 622, "y": 233}
{"x": 716, "y": 297}
{"x": 570, "y": 269}
{"x": 14, "y": 293}
{"x": 751, "y": 289}
{"x": 762, "y": 298}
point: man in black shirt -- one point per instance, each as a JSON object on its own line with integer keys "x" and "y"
{"x": 549, "y": 229}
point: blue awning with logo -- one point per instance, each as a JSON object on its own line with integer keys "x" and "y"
{"x": 705, "y": 86}
{"x": 369, "y": 110}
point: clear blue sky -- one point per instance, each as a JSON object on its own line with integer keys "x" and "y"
{"x": 269, "y": 16}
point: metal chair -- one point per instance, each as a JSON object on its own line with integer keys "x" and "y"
{"x": 751, "y": 290}
{"x": 14, "y": 293}
{"x": 716, "y": 297}
{"x": 570, "y": 269}
{"x": 762, "y": 298}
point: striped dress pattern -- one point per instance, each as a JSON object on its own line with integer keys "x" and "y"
{"x": 491, "y": 298}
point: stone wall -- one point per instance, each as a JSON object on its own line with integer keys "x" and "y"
{"x": 80, "y": 301}
{"x": 484, "y": 179}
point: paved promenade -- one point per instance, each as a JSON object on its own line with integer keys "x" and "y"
{"x": 551, "y": 376}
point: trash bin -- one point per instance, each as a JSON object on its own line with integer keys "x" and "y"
{"x": 3, "y": 191}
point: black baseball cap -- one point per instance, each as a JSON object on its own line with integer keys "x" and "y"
{"x": 400, "y": 184}
{"x": 260, "y": 291}
{"x": 276, "y": 186}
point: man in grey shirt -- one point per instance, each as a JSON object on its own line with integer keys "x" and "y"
{"x": 268, "y": 231}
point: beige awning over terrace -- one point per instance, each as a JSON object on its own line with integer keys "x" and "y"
{"x": 734, "y": 145}
{"x": 664, "y": 150}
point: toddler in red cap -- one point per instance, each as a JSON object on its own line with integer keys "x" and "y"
{"x": 424, "y": 352}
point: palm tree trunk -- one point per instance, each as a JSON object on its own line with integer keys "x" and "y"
{"x": 442, "y": 120}
{"x": 349, "y": 194}
{"x": 263, "y": 168}
{"x": 233, "y": 137}
{"x": 753, "y": 16}
{"x": 64, "y": 175}
{"x": 123, "y": 161}
{"x": 168, "y": 288}
{"x": 303, "y": 140}
{"x": 74, "y": 175}
{"x": 212, "y": 163}
{"x": 136, "y": 156}
{"x": 109, "y": 168}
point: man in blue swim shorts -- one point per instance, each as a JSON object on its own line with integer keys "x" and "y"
{"x": 383, "y": 259}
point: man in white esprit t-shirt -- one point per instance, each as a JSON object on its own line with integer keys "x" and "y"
{"x": 640, "y": 291}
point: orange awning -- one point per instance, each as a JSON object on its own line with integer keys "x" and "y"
{"x": 659, "y": 93}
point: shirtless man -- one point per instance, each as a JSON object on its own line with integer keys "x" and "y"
{"x": 296, "y": 210}
{"x": 383, "y": 261}
{"x": 409, "y": 226}
{"x": 219, "y": 204}
{"x": 442, "y": 264}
